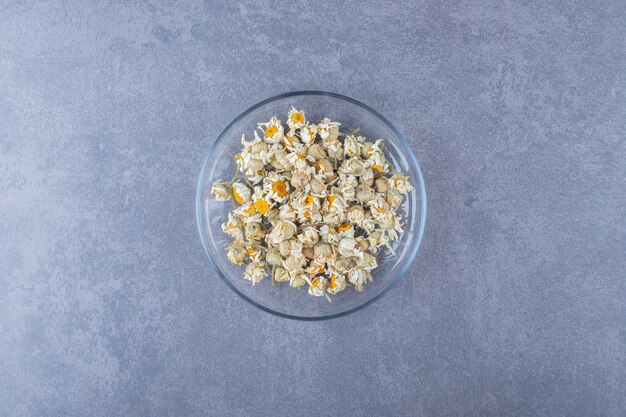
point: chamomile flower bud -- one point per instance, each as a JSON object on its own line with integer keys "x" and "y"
{"x": 364, "y": 193}
{"x": 281, "y": 275}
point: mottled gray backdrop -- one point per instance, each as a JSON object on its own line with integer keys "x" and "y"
{"x": 515, "y": 306}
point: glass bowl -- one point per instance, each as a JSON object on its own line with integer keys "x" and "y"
{"x": 281, "y": 299}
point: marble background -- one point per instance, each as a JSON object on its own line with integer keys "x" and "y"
{"x": 515, "y": 305}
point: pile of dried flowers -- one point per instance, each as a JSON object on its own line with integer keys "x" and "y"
{"x": 312, "y": 206}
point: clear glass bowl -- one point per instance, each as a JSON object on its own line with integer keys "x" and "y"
{"x": 281, "y": 299}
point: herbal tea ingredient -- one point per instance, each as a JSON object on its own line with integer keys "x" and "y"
{"x": 311, "y": 206}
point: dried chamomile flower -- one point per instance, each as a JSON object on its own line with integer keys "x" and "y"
{"x": 367, "y": 178}
{"x": 394, "y": 199}
{"x": 312, "y": 215}
{"x": 367, "y": 149}
{"x": 352, "y": 166}
{"x": 233, "y": 227}
{"x": 323, "y": 252}
{"x": 284, "y": 247}
{"x": 256, "y": 148}
{"x": 281, "y": 275}
{"x": 335, "y": 149}
{"x": 255, "y": 253}
{"x": 329, "y": 234}
{"x": 274, "y": 258}
{"x": 352, "y": 146}
{"x": 328, "y": 130}
{"x": 308, "y": 134}
{"x": 273, "y": 130}
{"x": 347, "y": 186}
{"x": 379, "y": 208}
{"x": 367, "y": 262}
{"x": 308, "y": 252}
{"x": 316, "y": 187}
{"x": 309, "y": 236}
{"x": 300, "y": 178}
{"x": 315, "y": 268}
{"x": 362, "y": 243}
{"x": 358, "y": 278}
{"x": 241, "y": 193}
{"x": 279, "y": 158}
{"x": 381, "y": 184}
{"x": 363, "y": 193}
{"x": 221, "y": 191}
{"x": 298, "y": 160}
{"x": 296, "y": 118}
{"x": 262, "y": 204}
{"x": 316, "y": 151}
{"x": 255, "y": 272}
{"x": 343, "y": 265}
{"x": 335, "y": 204}
{"x": 345, "y": 229}
{"x": 282, "y": 230}
{"x": 369, "y": 223}
{"x": 401, "y": 183}
{"x": 276, "y": 187}
{"x": 337, "y": 284}
{"x": 291, "y": 142}
{"x": 318, "y": 286}
{"x": 254, "y": 231}
{"x": 325, "y": 167}
{"x": 236, "y": 253}
{"x": 386, "y": 221}
{"x": 272, "y": 215}
{"x": 347, "y": 247}
{"x": 247, "y": 213}
{"x": 287, "y": 213}
{"x": 294, "y": 262}
{"x": 356, "y": 214}
{"x": 334, "y": 217}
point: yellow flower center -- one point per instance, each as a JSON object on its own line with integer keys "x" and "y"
{"x": 237, "y": 196}
{"x": 330, "y": 199}
{"x": 300, "y": 156}
{"x": 250, "y": 210}
{"x": 344, "y": 226}
{"x": 270, "y": 131}
{"x": 297, "y": 117}
{"x": 280, "y": 188}
{"x": 380, "y": 210}
{"x": 377, "y": 168}
{"x": 315, "y": 282}
{"x": 306, "y": 214}
{"x": 261, "y": 206}
{"x": 333, "y": 282}
{"x": 309, "y": 200}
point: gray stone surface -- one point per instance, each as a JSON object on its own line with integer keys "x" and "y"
{"x": 515, "y": 305}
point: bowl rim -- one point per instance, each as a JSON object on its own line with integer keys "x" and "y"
{"x": 412, "y": 159}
